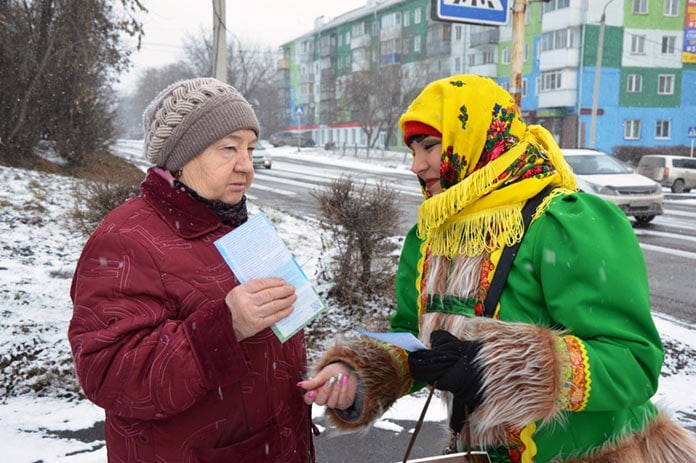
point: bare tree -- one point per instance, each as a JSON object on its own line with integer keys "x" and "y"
{"x": 57, "y": 59}
{"x": 376, "y": 98}
{"x": 148, "y": 85}
{"x": 360, "y": 221}
{"x": 395, "y": 90}
{"x": 359, "y": 100}
{"x": 251, "y": 69}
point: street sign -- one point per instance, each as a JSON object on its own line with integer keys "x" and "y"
{"x": 491, "y": 12}
{"x": 299, "y": 110}
{"x": 692, "y": 132}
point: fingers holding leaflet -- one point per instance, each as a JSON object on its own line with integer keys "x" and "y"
{"x": 259, "y": 303}
{"x": 335, "y": 386}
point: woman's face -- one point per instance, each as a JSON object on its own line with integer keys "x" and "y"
{"x": 224, "y": 170}
{"x": 426, "y": 162}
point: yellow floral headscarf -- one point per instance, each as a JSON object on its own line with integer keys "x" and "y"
{"x": 491, "y": 164}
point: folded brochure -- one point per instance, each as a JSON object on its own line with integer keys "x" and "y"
{"x": 406, "y": 341}
{"x": 255, "y": 250}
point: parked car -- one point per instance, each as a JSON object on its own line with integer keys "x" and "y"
{"x": 604, "y": 175}
{"x": 676, "y": 172}
{"x": 303, "y": 139}
{"x": 261, "y": 157}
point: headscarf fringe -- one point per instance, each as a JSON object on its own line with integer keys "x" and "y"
{"x": 478, "y": 233}
{"x": 439, "y": 209}
{"x": 547, "y": 200}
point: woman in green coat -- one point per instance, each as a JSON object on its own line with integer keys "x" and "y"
{"x": 562, "y": 364}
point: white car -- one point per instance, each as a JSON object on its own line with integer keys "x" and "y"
{"x": 605, "y": 176}
{"x": 261, "y": 156}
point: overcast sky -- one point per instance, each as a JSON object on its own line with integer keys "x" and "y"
{"x": 270, "y": 22}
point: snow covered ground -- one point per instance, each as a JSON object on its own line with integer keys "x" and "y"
{"x": 39, "y": 401}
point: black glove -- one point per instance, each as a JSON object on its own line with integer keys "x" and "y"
{"x": 449, "y": 364}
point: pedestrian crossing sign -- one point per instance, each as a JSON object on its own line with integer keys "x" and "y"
{"x": 692, "y": 132}
{"x": 490, "y": 12}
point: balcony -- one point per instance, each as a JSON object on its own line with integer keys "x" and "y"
{"x": 486, "y": 37}
{"x": 561, "y": 58}
{"x": 438, "y": 48}
{"x": 486, "y": 70}
{"x": 306, "y": 78}
{"x": 362, "y": 41}
{"x": 390, "y": 58}
{"x": 283, "y": 63}
{"x": 391, "y": 33}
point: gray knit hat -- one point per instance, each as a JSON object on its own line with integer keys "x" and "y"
{"x": 190, "y": 115}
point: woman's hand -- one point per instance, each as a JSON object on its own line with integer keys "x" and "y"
{"x": 259, "y": 303}
{"x": 334, "y": 386}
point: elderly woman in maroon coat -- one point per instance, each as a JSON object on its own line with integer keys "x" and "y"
{"x": 164, "y": 337}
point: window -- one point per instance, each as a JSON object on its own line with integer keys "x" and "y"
{"x": 505, "y": 55}
{"x": 553, "y": 5}
{"x": 407, "y": 19}
{"x": 632, "y": 129}
{"x": 457, "y": 64}
{"x": 489, "y": 57}
{"x": 637, "y": 44}
{"x": 391, "y": 20}
{"x": 506, "y": 86}
{"x": 665, "y": 84}
{"x": 550, "y": 81}
{"x": 663, "y": 128}
{"x": 458, "y": 33}
{"x": 361, "y": 29}
{"x": 417, "y": 44}
{"x": 671, "y": 8}
{"x": 634, "y": 83}
{"x": 640, "y": 6}
{"x": 668, "y": 44}
{"x": 560, "y": 39}
{"x": 417, "y": 16}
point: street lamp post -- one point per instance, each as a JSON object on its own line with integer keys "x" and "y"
{"x": 219, "y": 39}
{"x": 598, "y": 71}
{"x": 517, "y": 58}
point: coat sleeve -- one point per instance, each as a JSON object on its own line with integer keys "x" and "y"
{"x": 583, "y": 338}
{"x": 595, "y": 285}
{"x": 135, "y": 354}
{"x": 382, "y": 368}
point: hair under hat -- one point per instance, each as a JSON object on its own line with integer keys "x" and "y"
{"x": 190, "y": 115}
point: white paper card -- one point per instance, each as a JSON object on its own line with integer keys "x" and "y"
{"x": 406, "y": 341}
{"x": 255, "y": 250}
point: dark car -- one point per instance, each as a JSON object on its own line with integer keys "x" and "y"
{"x": 302, "y": 139}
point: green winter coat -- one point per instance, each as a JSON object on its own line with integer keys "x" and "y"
{"x": 579, "y": 269}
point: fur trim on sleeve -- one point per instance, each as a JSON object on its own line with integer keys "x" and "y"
{"x": 522, "y": 374}
{"x": 380, "y": 375}
{"x": 662, "y": 441}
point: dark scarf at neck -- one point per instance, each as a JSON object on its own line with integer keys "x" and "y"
{"x": 232, "y": 215}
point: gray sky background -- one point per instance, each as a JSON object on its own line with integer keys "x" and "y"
{"x": 267, "y": 22}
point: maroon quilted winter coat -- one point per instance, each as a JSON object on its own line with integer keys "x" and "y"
{"x": 154, "y": 346}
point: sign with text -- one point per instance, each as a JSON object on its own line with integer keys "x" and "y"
{"x": 689, "y": 51}
{"x": 490, "y": 12}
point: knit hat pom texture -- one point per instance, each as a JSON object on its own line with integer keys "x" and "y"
{"x": 190, "y": 115}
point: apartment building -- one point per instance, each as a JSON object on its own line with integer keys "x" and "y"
{"x": 646, "y": 93}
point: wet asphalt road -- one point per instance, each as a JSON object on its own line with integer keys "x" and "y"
{"x": 375, "y": 446}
